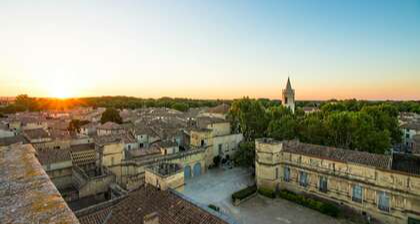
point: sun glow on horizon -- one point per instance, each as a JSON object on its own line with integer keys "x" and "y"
{"x": 61, "y": 88}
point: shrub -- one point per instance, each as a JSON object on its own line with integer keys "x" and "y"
{"x": 266, "y": 192}
{"x": 326, "y": 208}
{"x": 242, "y": 194}
{"x": 216, "y": 161}
{"x": 215, "y": 208}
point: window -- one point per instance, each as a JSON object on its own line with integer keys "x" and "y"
{"x": 141, "y": 145}
{"x": 323, "y": 184}
{"x": 286, "y": 174}
{"x": 357, "y": 193}
{"x": 285, "y": 100}
{"x": 303, "y": 179}
{"x": 220, "y": 149}
{"x": 202, "y": 143}
{"x": 383, "y": 201}
{"x": 277, "y": 173}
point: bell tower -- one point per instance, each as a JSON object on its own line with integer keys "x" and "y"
{"x": 288, "y": 97}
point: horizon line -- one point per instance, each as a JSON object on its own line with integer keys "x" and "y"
{"x": 218, "y": 99}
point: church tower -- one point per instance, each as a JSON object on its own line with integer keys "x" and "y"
{"x": 288, "y": 99}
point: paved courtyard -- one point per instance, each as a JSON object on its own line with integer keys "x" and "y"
{"x": 217, "y": 185}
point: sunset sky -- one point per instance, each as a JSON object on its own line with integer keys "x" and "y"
{"x": 365, "y": 49}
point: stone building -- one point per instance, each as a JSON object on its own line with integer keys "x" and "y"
{"x": 288, "y": 96}
{"x": 380, "y": 186}
{"x": 215, "y": 134}
{"x": 58, "y": 165}
{"x": 109, "y": 128}
{"x": 5, "y": 132}
{"x": 410, "y": 130}
{"x": 165, "y": 176}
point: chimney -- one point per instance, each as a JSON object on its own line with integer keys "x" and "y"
{"x": 151, "y": 218}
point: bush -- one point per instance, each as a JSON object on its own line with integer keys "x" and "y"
{"x": 326, "y": 208}
{"x": 267, "y": 193}
{"x": 244, "y": 193}
{"x": 216, "y": 161}
{"x": 215, "y": 208}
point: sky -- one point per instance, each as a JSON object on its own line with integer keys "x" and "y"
{"x": 364, "y": 49}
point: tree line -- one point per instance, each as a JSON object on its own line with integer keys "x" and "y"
{"x": 349, "y": 124}
{"x": 25, "y": 103}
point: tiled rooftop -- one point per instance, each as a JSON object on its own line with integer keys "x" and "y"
{"x": 82, "y": 147}
{"x": 411, "y": 126}
{"x": 152, "y": 150}
{"x": 170, "y": 208}
{"x": 36, "y": 133}
{"x": 220, "y": 109}
{"x": 107, "y": 139}
{"x": 13, "y": 140}
{"x": 110, "y": 126}
{"x": 50, "y": 156}
{"x": 27, "y": 194}
{"x": 205, "y": 121}
{"x": 342, "y": 155}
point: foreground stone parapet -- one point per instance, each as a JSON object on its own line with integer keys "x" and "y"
{"x": 27, "y": 194}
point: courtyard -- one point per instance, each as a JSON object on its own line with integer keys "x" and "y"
{"x": 217, "y": 185}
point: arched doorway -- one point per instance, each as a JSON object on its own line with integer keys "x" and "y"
{"x": 187, "y": 172}
{"x": 197, "y": 169}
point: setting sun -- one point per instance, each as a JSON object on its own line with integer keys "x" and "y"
{"x": 61, "y": 88}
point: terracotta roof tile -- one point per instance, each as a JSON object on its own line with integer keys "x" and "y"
{"x": 36, "y": 133}
{"x": 343, "y": 155}
{"x": 171, "y": 209}
{"x": 50, "y": 156}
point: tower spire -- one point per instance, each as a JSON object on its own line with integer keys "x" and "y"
{"x": 288, "y": 98}
{"x": 288, "y": 85}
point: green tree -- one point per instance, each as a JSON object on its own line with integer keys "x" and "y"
{"x": 180, "y": 106}
{"x": 312, "y": 129}
{"x": 385, "y": 117}
{"x": 111, "y": 115}
{"x": 356, "y": 130}
{"x": 277, "y": 112}
{"x": 284, "y": 128}
{"x": 26, "y": 102}
{"x": 245, "y": 155}
{"x": 249, "y": 117}
{"x": 340, "y": 128}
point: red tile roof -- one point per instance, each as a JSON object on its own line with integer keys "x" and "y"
{"x": 337, "y": 154}
{"x": 170, "y": 208}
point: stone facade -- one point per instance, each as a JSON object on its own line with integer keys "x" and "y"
{"x": 362, "y": 181}
{"x": 217, "y": 138}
